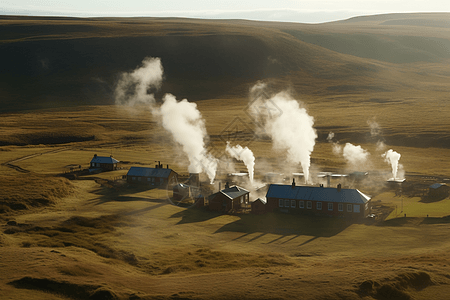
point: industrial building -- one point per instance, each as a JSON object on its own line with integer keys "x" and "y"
{"x": 310, "y": 200}
{"x": 156, "y": 177}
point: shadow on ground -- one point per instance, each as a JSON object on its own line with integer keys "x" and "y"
{"x": 271, "y": 223}
{"x": 194, "y": 215}
{"x": 107, "y": 194}
{"x": 286, "y": 225}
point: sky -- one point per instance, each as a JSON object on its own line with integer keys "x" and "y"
{"x": 303, "y": 11}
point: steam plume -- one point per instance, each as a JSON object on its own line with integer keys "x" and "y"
{"x": 392, "y": 158}
{"x": 289, "y": 126}
{"x": 375, "y": 129}
{"x": 245, "y": 155}
{"x": 355, "y": 155}
{"x": 330, "y": 137}
{"x": 381, "y": 146}
{"x": 133, "y": 88}
{"x": 337, "y": 149}
{"x": 184, "y": 121}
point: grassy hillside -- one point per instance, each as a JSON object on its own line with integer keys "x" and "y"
{"x": 85, "y": 238}
{"x": 67, "y": 61}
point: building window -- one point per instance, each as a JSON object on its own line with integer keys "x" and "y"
{"x": 367, "y": 206}
{"x": 340, "y": 207}
{"x": 349, "y": 208}
{"x": 148, "y": 179}
{"x": 286, "y": 203}
{"x": 242, "y": 199}
{"x": 308, "y": 204}
{"x": 301, "y": 204}
{"x": 293, "y": 203}
{"x": 133, "y": 178}
{"x": 319, "y": 205}
{"x": 280, "y": 202}
{"x": 139, "y": 178}
{"x": 356, "y": 208}
{"x": 330, "y": 206}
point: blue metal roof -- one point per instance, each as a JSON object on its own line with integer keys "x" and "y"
{"x": 104, "y": 160}
{"x": 149, "y": 172}
{"x": 437, "y": 185}
{"x": 316, "y": 194}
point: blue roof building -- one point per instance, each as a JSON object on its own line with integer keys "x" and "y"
{"x": 317, "y": 200}
{"x": 151, "y": 176}
{"x": 103, "y": 163}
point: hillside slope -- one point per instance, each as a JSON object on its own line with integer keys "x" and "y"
{"x": 51, "y": 62}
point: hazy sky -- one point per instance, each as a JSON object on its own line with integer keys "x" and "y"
{"x": 308, "y": 11}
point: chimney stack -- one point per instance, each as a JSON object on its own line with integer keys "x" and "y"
{"x": 339, "y": 186}
{"x": 167, "y": 166}
{"x": 227, "y": 185}
{"x": 95, "y": 155}
{"x": 293, "y": 182}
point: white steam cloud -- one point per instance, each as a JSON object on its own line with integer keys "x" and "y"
{"x": 184, "y": 121}
{"x": 375, "y": 129}
{"x": 330, "y": 136}
{"x": 288, "y": 124}
{"x": 381, "y": 146}
{"x": 337, "y": 149}
{"x": 392, "y": 158}
{"x": 133, "y": 88}
{"x": 245, "y": 155}
{"x": 355, "y": 155}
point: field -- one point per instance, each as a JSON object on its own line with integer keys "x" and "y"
{"x": 75, "y": 237}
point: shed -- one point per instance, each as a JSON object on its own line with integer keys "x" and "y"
{"x": 229, "y": 199}
{"x": 312, "y": 200}
{"x": 258, "y": 206}
{"x": 157, "y": 177}
{"x": 104, "y": 163}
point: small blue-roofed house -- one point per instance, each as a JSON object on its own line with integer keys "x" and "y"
{"x": 315, "y": 200}
{"x": 157, "y": 177}
{"x": 103, "y": 163}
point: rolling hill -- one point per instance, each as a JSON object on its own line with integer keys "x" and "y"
{"x": 51, "y": 62}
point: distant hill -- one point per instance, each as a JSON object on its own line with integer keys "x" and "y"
{"x": 52, "y": 62}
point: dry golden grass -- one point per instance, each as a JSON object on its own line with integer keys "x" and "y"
{"x": 31, "y": 190}
{"x": 100, "y": 243}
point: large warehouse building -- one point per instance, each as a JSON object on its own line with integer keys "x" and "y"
{"x": 337, "y": 202}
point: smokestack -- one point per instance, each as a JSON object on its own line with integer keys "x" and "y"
{"x": 95, "y": 155}
{"x": 167, "y": 166}
{"x": 293, "y": 182}
{"x": 339, "y": 186}
{"x": 227, "y": 185}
